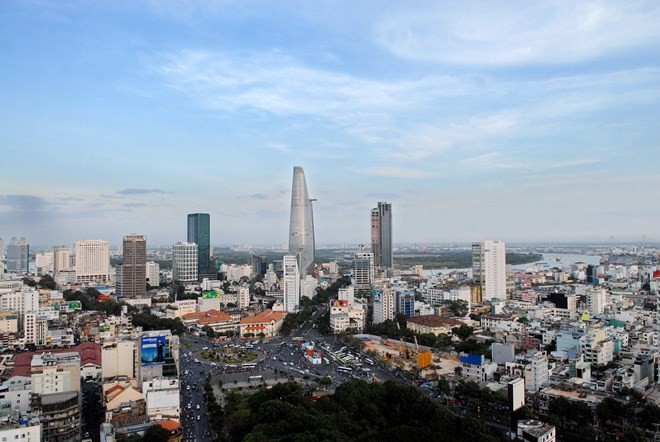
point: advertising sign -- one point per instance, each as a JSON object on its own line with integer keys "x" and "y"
{"x": 75, "y": 305}
{"x": 210, "y": 294}
{"x": 153, "y": 350}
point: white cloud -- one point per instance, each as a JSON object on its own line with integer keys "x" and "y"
{"x": 516, "y": 32}
{"x": 394, "y": 172}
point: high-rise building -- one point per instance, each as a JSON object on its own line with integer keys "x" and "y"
{"x": 381, "y": 235}
{"x": 153, "y": 274}
{"x": 62, "y": 259}
{"x": 383, "y": 305}
{"x": 199, "y": 232}
{"x": 363, "y": 271}
{"x": 301, "y": 228}
{"x": 185, "y": 262}
{"x": 259, "y": 264}
{"x": 291, "y": 285}
{"x": 134, "y": 267}
{"x": 489, "y": 268}
{"x": 44, "y": 262}
{"x": 405, "y": 301}
{"x": 92, "y": 261}
{"x": 18, "y": 255}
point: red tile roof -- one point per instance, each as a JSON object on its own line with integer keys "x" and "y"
{"x": 90, "y": 352}
{"x": 265, "y": 316}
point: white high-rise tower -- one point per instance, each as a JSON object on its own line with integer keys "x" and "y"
{"x": 92, "y": 261}
{"x": 291, "y": 287}
{"x": 489, "y": 268}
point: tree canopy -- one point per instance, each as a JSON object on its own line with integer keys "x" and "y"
{"x": 357, "y": 411}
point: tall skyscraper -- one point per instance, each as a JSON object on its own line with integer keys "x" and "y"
{"x": 184, "y": 262}
{"x": 199, "y": 232}
{"x": 363, "y": 271}
{"x": 301, "y": 228}
{"x": 381, "y": 235}
{"x": 18, "y": 255}
{"x": 489, "y": 268}
{"x": 92, "y": 261}
{"x": 134, "y": 267}
{"x": 383, "y": 305}
{"x": 153, "y": 274}
{"x": 291, "y": 286}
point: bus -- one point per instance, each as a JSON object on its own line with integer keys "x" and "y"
{"x": 346, "y": 370}
{"x": 326, "y": 361}
{"x": 249, "y": 365}
{"x": 255, "y": 378}
{"x": 368, "y": 361}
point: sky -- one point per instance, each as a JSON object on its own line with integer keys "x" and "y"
{"x": 513, "y": 120}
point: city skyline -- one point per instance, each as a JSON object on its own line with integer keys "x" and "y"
{"x": 526, "y": 123}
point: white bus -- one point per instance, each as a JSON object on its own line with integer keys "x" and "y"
{"x": 347, "y": 370}
{"x": 249, "y": 365}
{"x": 255, "y": 378}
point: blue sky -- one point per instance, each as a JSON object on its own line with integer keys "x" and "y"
{"x": 521, "y": 121}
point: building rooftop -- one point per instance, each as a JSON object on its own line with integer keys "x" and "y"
{"x": 265, "y": 316}
{"x": 434, "y": 321}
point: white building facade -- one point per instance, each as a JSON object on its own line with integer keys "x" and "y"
{"x": 92, "y": 261}
{"x": 184, "y": 262}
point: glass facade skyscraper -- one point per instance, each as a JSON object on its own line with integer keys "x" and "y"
{"x": 301, "y": 229}
{"x": 199, "y": 232}
{"x": 381, "y": 235}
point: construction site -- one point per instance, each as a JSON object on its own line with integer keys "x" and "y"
{"x": 410, "y": 356}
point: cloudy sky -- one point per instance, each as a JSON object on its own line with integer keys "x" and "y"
{"x": 513, "y": 120}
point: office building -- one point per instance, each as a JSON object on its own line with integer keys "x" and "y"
{"x": 383, "y": 305}
{"x": 134, "y": 267}
{"x": 381, "y": 235}
{"x": 56, "y": 395}
{"x": 199, "y": 232}
{"x": 61, "y": 259}
{"x": 301, "y": 228}
{"x": 405, "y": 301}
{"x": 18, "y": 255}
{"x": 153, "y": 274}
{"x": 92, "y": 261}
{"x": 363, "y": 271}
{"x": 291, "y": 285}
{"x": 489, "y": 268}
{"x": 259, "y": 264}
{"x": 44, "y": 262}
{"x": 185, "y": 262}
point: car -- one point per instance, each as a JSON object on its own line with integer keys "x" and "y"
{"x": 199, "y": 418}
{"x": 197, "y": 407}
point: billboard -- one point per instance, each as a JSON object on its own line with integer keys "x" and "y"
{"x": 153, "y": 350}
{"x": 75, "y": 305}
{"x": 210, "y": 294}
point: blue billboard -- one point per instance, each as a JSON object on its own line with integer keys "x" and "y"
{"x": 153, "y": 350}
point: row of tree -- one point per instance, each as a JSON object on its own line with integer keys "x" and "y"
{"x": 357, "y": 411}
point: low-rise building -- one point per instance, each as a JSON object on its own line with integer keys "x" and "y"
{"x": 268, "y": 322}
{"x": 432, "y": 324}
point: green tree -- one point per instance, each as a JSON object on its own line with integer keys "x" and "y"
{"x": 457, "y": 308}
{"x": 209, "y": 331}
{"x": 47, "y": 282}
{"x": 443, "y": 341}
{"x": 463, "y": 332}
{"x": 156, "y": 433}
